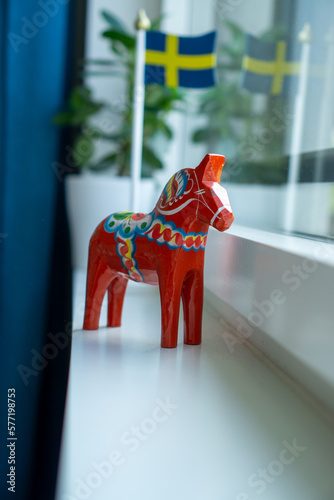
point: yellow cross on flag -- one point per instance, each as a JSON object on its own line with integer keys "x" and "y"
{"x": 266, "y": 66}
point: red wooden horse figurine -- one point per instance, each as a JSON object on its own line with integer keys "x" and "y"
{"x": 164, "y": 247}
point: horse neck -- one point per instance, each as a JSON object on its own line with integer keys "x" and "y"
{"x": 197, "y": 226}
{"x": 185, "y": 219}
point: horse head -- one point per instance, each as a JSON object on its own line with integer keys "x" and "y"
{"x": 214, "y": 205}
{"x": 196, "y": 193}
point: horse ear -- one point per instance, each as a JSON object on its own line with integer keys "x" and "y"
{"x": 210, "y": 168}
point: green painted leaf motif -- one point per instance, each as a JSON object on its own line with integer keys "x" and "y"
{"x": 122, "y": 215}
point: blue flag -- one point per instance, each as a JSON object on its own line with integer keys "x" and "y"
{"x": 180, "y": 61}
{"x": 267, "y": 66}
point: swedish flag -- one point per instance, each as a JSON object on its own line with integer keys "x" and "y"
{"x": 267, "y": 66}
{"x": 180, "y": 61}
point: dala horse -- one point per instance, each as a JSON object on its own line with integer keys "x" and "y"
{"x": 164, "y": 247}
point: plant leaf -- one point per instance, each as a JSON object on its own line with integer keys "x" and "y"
{"x": 151, "y": 158}
{"x": 278, "y": 32}
{"x": 80, "y": 107}
{"x": 105, "y": 162}
{"x": 206, "y": 134}
{"x": 155, "y": 24}
{"x": 62, "y": 118}
{"x": 126, "y": 40}
{"x": 114, "y": 22}
{"x": 82, "y": 150}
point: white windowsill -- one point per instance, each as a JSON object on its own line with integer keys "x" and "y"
{"x": 243, "y": 268}
{"x": 233, "y": 416}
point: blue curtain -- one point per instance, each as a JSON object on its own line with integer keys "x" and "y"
{"x": 35, "y": 285}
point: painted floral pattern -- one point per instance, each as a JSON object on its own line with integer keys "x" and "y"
{"x": 127, "y": 226}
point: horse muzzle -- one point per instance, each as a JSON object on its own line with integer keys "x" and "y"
{"x": 222, "y": 219}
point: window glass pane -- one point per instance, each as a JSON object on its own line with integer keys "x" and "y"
{"x": 271, "y": 113}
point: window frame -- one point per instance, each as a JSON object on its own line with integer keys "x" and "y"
{"x": 246, "y": 267}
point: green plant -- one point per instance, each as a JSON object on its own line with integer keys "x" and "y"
{"x": 82, "y": 107}
{"x": 234, "y": 122}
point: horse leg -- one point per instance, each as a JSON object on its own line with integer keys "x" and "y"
{"x": 116, "y": 292}
{"x": 99, "y": 276}
{"x": 170, "y": 295}
{"x": 192, "y": 300}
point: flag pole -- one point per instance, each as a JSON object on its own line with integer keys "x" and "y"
{"x": 138, "y": 98}
{"x": 305, "y": 37}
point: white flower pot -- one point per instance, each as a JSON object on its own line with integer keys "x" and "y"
{"x": 92, "y": 197}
